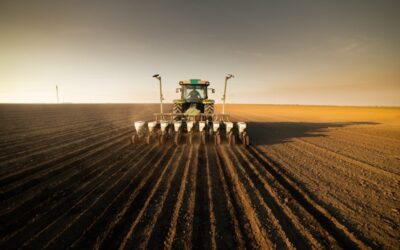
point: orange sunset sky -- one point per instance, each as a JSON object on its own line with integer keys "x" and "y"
{"x": 281, "y": 52}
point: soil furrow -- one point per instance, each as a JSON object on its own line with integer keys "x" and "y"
{"x": 252, "y": 222}
{"x": 95, "y": 208}
{"x": 19, "y": 165}
{"x": 228, "y": 232}
{"x": 90, "y": 190}
{"x": 45, "y": 128}
{"x": 133, "y": 198}
{"x": 150, "y": 231}
{"x": 339, "y": 193}
{"x": 184, "y": 229}
{"x": 290, "y": 216}
{"x": 31, "y": 146}
{"x": 125, "y": 238}
{"x": 201, "y": 219}
{"x": 103, "y": 222}
{"x": 171, "y": 232}
{"x": 213, "y": 233}
{"x": 82, "y": 171}
{"x": 51, "y": 168}
{"x": 267, "y": 209}
{"x": 68, "y": 226}
{"x": 343, "y": 236}
{"x": 379, "y": 171}
{"x": 55, "y": 194}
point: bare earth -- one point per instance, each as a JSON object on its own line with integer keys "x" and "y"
{"x": 314, "y": 177}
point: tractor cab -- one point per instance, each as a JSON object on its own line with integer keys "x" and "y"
{"x": 194, "y": 93}
{"x": 194, "y": 90}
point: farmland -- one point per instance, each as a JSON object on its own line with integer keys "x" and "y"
{"x": 314, "y": 177}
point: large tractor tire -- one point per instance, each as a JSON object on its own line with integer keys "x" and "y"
{"x": 209, "y": 108}
{"x": 177, "y": 108}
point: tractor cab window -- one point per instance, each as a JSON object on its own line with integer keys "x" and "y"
{"x": 194, "y": 92}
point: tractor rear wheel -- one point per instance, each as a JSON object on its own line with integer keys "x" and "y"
{"x": 177, "y": 108}
{"x": 209, "y": 109}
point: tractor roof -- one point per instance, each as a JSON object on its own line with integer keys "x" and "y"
{"x": 194, "y": 82}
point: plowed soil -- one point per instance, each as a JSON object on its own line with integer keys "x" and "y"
{"x": 313, "y": 177}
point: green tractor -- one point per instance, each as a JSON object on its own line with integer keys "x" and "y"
{"x": 192, "y": 117}
{"x": 194, "y": 98}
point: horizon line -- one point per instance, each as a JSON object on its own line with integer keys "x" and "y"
{"x": 154, "y": 103}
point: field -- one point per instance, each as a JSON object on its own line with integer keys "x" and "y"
{"x": 314, "y": 177}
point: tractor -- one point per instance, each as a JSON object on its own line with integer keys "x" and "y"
{"x": 194, "y": 93}
{"x": 192, "y": 117}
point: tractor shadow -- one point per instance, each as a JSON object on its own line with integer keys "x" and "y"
{"x": 269, "y": 133}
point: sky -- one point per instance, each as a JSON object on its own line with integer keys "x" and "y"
{"x": 281, "y": 52}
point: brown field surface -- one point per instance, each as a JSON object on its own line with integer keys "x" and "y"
{"x": 314, "y": 177}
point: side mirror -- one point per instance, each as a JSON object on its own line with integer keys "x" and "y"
{"x": 178, "y": 90}
{"x": 213, "y": 91}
